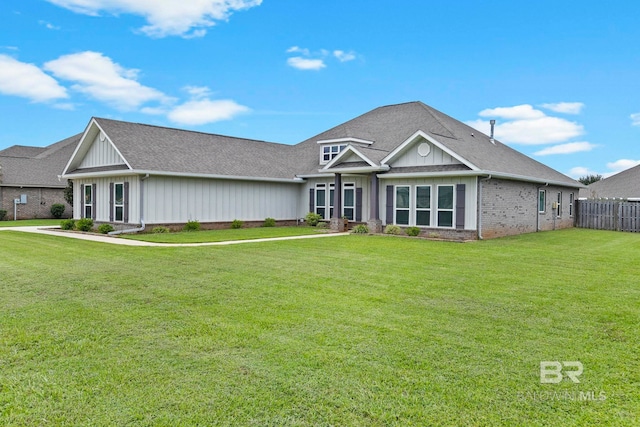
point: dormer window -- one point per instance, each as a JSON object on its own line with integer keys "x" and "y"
{"x": 330, "y": 151}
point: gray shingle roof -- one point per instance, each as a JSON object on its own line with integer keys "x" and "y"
{"x": 154, "y": 148}
{"x": 36, "y": 166}
{"x": 625, "y": 184}
{"x": 391, "y": 125}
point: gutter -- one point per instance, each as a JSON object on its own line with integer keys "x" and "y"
{"x": 142, "y": 224}
{"x": 480, "y": 205}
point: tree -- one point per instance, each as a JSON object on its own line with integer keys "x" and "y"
{"x": 589, "y": 179}
{"x": 68, "y": 192}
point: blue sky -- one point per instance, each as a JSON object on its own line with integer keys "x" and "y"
{"x": 561, "y": 78}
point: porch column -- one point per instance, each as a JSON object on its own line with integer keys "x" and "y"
{"x": 337, "y": 224}
{"x": 374, "y": 223}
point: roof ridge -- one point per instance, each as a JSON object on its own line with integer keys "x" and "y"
{"x": 431, "y": 110}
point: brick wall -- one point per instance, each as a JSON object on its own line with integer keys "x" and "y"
{"x": 39, "y": 201}
{"x": 511, "y": 207}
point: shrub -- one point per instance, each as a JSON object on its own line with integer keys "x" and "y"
{"x": 392, "y": 229}
{"x": 236, "y": 223}
{"x": 105, "y": 228}
{"x": 269, "y": 222}
{"x": 68, "y": 224}
{"x": 412, "y": 231}
{"x": 84, "y": 224}
{"x": 57, "y": 209}
{"x": 3, "y": 214}
{"x": 192, "y": 226}
{"x": 159, "y": 230}
{"x": 360, "y": 229}
{"x": 312, "y": 219}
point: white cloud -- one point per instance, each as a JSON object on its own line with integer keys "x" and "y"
{"x": 518, "y": 112}
{"x": 296, "y": 49}
{"x": 48, "y": 25}
{"x": 28, "y": 81}
{"x": 565, "y": 107}
{"x": 306, "y": 63}
{"x": 622, "y": 164}
{"x": 199, "y": 112}
{"x": 187, "y": 18}
{"x": 526, "y": 125}
{"x": 344, "y": 56}
{"x": 198, "y": 92}
{"x": 100, "y": 78}
{"x": 580, "y": 171}
{"x": 635, "y": 119}
{"x": 569, "y": 148}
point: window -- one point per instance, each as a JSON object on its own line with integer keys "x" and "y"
{"x": 445, "y": 206}
{"x": 542, "y": 195}
{"x": 88, "y": 201}
{"x": 328, "y": 152}
{"x": 423, "y": 205}
{"x": 349, "y": 201}
{"x": 571, "y": 201}
{"x": 321, "y": 202}
{"x": 402, "y": 205}
{"x": 118, "y": 202}
{"x": 559, "y": 205}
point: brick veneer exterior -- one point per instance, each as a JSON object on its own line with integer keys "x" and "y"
{"x": 511, "y": 207}
{"x": 39, "y": 201}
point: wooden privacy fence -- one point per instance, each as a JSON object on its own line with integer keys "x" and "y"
{"x": 608, "y": 215}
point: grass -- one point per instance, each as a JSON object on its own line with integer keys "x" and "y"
{"x": 354, "y": 330}
{"x": 31, "y": 222}
{"x": 223, "y": 235}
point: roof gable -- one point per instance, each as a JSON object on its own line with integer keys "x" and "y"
{"x": 421, "y": 149}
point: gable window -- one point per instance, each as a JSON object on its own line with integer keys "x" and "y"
{"x": 559, "y": 205}
{"x": 402, "y": 205}
{"x": 349, "y": 201}
{"x": 542, "y": 196}
{"x": 423, "y": 205}
{"x": 571, "y": 201}
{"x": 118, "y": 202}
{"x": 445, "y": 205}
{"x": 88, "y": 201}
{"x": 328, "y": 152}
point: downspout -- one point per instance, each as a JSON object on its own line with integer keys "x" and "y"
{"x": 142, "y": 224}
{"x": 538, "y": 205}
{"x": 480, "y": 205}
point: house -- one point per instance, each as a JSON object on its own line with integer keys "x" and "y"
{"x": 31, "y": 175}
{"x": 623, "y": 185}
{"x": 405, "y": 164}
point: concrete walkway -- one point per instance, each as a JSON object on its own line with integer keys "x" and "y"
{"x": 55, "y": 231}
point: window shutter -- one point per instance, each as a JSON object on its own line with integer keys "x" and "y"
{"x": 460, "y": 200}
{"x": 94, "y": 187}
{"x": 389, "y": 204}
{"x": 125, "y": 214}
{"x": 358, "y": 204}
{"x": 111, "y": 191}
{"x": 312, "y": 195}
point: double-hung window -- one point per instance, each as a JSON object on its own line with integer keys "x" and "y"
{"x": 88, "y": 201}
{"x": 349, "y": 201}
{"x": 559, "y": 205}
{"x": 321, "y": 199}
{"x": 445, "y": 206}
{"x": 542, "y": 196}
{"x": 423, "y": 205}
{"x": 118, "y": 202}
{"x": 571, "y": 202}
{"x": 402, "y": 204}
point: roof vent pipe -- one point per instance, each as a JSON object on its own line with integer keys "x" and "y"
{"x": 493, "y": 125}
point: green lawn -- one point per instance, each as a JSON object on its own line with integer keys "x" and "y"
{"x": 224, "y": 235}
{"x": 30, "y": 222}
{"x": 353, "y": 330}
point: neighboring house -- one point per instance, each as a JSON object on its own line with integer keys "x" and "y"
{"x": 623, "y": 185}
{"x": 31, "y": 174}
{"x": 405, "y": 164}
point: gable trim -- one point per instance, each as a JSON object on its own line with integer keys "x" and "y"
{"x": 391, "y": 156}
{"x": 343, "y": 153}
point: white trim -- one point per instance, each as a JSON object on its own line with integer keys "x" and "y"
{"x": 84, "y": 201}
{"x": 544, "y": 206}
{"x": 395, "y": 204}
{"x": 182, "y": 175}
{"x": 416, "y": 209}
{"x": 351, "y": 186}
{"x": 342, "y": 153}
{"x": 418, "y": 134}
{"x": 347, "y": 140}
{"x": 453, "y": 206}
{"x": 115, "y": 204}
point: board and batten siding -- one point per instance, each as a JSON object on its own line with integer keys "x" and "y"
{"x": 102, "y": 197}
{"x": 411, "y": 157}
{"x": 470, "y": 212}
{"x": 101, "y": 153}
{"x": 178, "y": 200}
